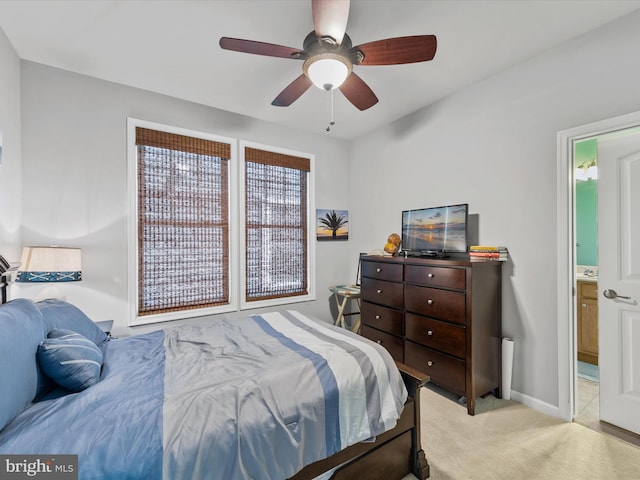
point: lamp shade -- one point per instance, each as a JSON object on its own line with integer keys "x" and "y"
{"x": 50, "y": 264}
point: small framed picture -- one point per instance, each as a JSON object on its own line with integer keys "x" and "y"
{"x": 332, "y": 225}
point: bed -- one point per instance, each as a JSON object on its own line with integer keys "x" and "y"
{"x": 277, "y": 395}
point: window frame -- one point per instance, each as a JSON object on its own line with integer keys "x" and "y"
{"x": 311, "y": 212}
{"x": 132, "y": 234}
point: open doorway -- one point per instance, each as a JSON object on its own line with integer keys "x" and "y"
{"x": 569, "y": 303}
{"x": 585, "y": 184}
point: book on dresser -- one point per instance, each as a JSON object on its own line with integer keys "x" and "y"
{"x": 489, "y": 252}
{"x": 442, "y": 317}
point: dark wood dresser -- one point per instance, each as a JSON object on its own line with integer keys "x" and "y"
{"x": 442, "y": 317}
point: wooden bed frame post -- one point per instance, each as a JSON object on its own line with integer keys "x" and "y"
{"x": 414, "y": 381}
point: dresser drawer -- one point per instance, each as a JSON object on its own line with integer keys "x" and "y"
{"x": 382, "y": 318}
{"x": 385, "y": 293}
{"x": 382, "y": 271}
{"x": 432, "y": 302}
{"x": 436, "y": 276}
{"x": 395, "y": 345}
{"x": 442, "y": 336}
{"x": 444, "y": 370}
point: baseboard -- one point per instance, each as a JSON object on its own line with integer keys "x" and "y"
{"x": 536, "y": 404}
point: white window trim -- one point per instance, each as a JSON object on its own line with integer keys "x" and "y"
{"x": 132, "y": 234}
{"x": 311, "y": 244}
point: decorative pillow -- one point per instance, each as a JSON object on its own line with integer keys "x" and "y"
{"x": 60, "y": 314}
{"x": 21, "y": 330}
{"x": 70, "y": 359}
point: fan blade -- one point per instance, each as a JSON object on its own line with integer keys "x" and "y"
{"x": 330, "y": 18}
{"x": 260, "y": 48}
{"x": 358, "y": 92}
{"x": 394, "y": 51}
{"x": 292, "y": 92}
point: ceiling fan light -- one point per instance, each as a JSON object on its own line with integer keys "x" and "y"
{"x": 327, "y": 72}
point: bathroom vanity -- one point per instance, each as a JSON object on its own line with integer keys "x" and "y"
{"x": 587, "y": 316}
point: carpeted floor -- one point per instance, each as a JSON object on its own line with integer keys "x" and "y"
{"x": 506, "y": 440}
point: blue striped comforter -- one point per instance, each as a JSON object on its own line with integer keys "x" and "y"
{"x": 257, "y": 398}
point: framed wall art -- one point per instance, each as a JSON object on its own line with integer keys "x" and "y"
{"x": 332, "y": 225}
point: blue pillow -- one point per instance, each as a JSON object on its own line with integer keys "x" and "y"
{"x": 70, "y": 359}
{"x": 60, "y": 314}
{"x": 21, "y": 330}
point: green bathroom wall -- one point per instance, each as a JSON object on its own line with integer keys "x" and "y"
{"x": 586, "y": 207}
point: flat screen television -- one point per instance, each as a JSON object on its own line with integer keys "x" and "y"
{"x": 435, "y": 231}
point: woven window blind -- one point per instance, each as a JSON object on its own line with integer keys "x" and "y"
{"x": 183, "y": 224}
{"x": 276, "y": 225}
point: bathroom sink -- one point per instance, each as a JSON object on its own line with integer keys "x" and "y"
{"x": 587, "y": 273}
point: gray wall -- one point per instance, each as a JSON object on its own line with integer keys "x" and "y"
{"x": 75, "y": 179}
{"x": 493, "y": 145}
{"x": 10, "y": 167}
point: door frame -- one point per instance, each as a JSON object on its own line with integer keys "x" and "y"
{"x": 566, "y": 253}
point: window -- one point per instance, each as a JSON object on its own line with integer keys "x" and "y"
{"x": 182, "y": 224}
{"x": 276, "y": 212}
{"x": 203, "y": 227}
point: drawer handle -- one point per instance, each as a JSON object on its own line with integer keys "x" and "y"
{"x": 430, "y": 332}
{"x": 429, "y": 302}
{"x": 379, "y": 291}
{"x": 430, "y": 363}
{"x": 378, "y": 317}
{"x": 378, "y": 270}
{"x": 430, "y": 275}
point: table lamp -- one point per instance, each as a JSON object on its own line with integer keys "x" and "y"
{"x": 50, "y": 264}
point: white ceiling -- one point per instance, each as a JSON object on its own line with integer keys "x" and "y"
{"x": 171, "y": 47}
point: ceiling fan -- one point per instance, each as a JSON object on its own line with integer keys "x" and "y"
{"x": 329, "y": 56}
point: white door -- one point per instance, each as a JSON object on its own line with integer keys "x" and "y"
{"x": 619, "y": 278}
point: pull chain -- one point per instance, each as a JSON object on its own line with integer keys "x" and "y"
{"x": 330, "y": 102}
